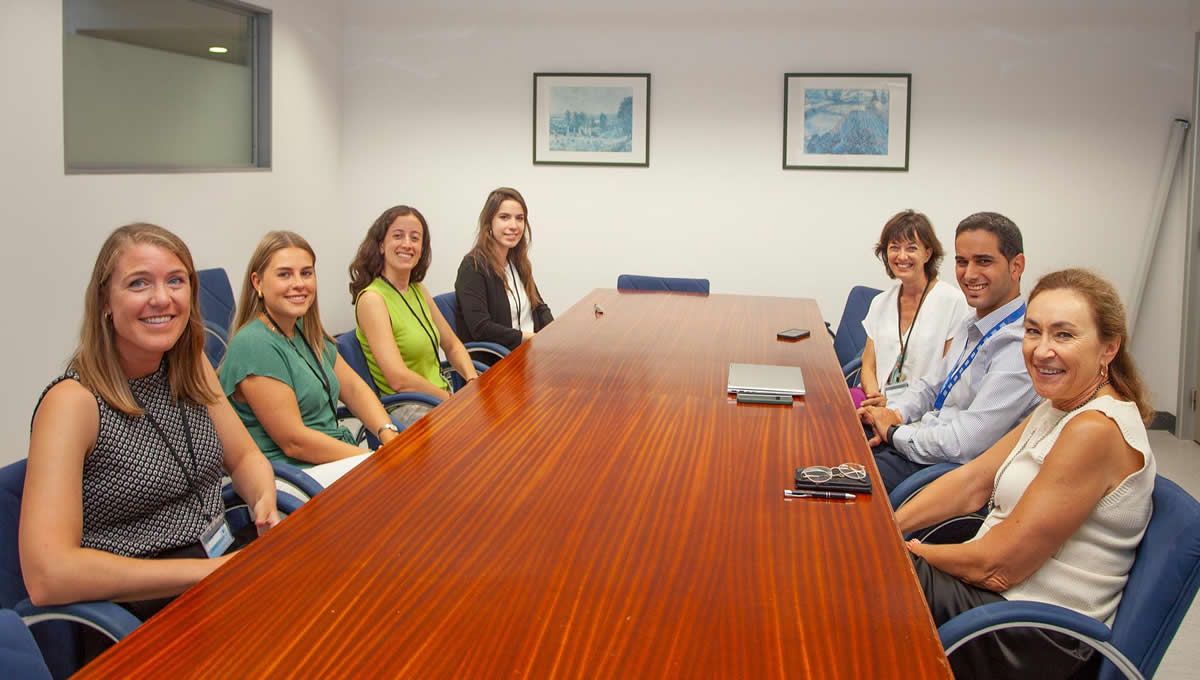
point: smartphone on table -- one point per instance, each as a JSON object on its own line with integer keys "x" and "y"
{"x": 792, "y": 334}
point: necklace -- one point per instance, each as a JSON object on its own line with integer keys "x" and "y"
{"x": 1042, "y": 434}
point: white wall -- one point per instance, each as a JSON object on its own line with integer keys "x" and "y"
{"x": 54, "y": 223}
{"x": 1054, "y": 113}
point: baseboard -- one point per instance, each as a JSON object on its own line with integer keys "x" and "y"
{"x": 1162, "y": 421}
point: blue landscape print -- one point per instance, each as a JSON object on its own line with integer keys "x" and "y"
{"x": 591, "y": 119}
{"x": 846, "y": 122}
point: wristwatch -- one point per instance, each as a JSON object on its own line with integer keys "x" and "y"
{"x": 386, "y": 426}
{"x": 891, "y": 432}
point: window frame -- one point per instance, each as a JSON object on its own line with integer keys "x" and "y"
{"x": 260, "y": 101}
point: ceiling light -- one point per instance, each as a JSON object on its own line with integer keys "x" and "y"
{"x": 217, "y": 49}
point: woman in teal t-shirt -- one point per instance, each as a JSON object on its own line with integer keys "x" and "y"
{"x": 282, "y": 373}
{"x": 399, "y": 327}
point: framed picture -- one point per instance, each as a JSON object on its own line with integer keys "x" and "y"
{"x": 846, "y": 121}
{"x": 591, "y": 119}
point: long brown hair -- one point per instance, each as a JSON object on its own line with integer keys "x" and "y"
{"x": 97, "y": 360}
{"x": 368, "y": 262}
{"x": 250, "y": 305}
{"x": 482, "y": 252}
{"x": 1109, "y": 316}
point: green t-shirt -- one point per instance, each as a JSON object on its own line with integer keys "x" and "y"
{"x": 257, "y": 350}
{"x": 413, "y": 329}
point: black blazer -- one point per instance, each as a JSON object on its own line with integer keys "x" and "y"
{"x": 482, "y": 312}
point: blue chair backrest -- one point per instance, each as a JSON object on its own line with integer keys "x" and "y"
{"x": 56, "y": 636}
{"x": 447, "y": 303}
{"x": 216, "y": 308}
{"x": 216, "y": 297}
{"x": 19, "y": 654}
{"x": 1163, "y": 581}
{"x": 851, "y": 337}
{"x": 352, "y": 353}
{"x": 12, "y": 487}
{"x": 675, "y": 285}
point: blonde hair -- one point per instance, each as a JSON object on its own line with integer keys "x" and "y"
{"x": 250, "y": 305}
{"x": 97, "y": 360}
{"x": 1109, "y": 316}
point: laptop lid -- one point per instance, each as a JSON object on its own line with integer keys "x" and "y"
{"x": 766, "y": 379}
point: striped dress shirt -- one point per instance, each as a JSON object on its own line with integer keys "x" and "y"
{"x": 990, "y": 398}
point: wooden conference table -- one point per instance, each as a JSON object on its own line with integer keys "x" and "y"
{"x": 594, "y": 506}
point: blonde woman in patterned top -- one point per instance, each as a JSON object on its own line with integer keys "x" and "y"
{"x": 1068, "y": 492}
{"x": 128, "y": 448}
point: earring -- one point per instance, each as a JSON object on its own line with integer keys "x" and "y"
{"x": 1104, "y": 372}
{"x": 259, "y": 293}
{"x": 108, "y": 316}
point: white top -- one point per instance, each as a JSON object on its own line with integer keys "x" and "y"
{"x": 943, "y": 311}
{"x": 1089, "y": 571}
{"x": 518, "y": 301}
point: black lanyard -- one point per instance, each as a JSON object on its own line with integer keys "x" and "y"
{"x": 187, "y": 433}
{"x": 428, "y": 333}
{"x": 899, "y": 369}
{"x": 516, "y": 295}
{"x": 319, "y": 373}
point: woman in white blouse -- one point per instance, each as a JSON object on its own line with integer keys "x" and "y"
{"x": 1068, "y": 491}
{"x": 909, "y": 325}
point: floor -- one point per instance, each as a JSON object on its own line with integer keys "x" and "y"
{"x": 1179, "y": 461}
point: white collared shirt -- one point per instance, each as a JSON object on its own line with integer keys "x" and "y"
{"x": 518, "y": 302}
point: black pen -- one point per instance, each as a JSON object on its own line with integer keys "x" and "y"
{"x": 819, "y": 494}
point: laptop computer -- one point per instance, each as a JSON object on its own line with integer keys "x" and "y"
{"x": 766, "y": 379}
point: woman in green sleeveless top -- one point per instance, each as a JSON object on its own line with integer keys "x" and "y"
{"x": 282, "y": 373}
{"x": 399, "y": 327}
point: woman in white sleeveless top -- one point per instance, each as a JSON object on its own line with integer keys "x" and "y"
{"x": 1068, "y": 492}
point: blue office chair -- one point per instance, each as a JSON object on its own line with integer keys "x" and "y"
{"x": 953, "y": 530}
{"x": 295, "y": 482}
{"x": 851, "y": 337}
{"x": 662, "y": 283}
{"x": 488, "y": 352}
{"x": 912, "y": 484}
{"x": 352, "y": 354}
{"x": 19, "y": 653}
{"x": 1162, "y": 584}
{"x": 51, "y": 626}
{"x": 216, "y": 308}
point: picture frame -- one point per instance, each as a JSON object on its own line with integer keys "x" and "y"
{"x": 846, "y": 121}
{"x": 591, "y": 119}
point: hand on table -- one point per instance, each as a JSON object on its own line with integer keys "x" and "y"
{"x": 880, "y": 418}
{"x": 874, "y": 399}
{"x": 266, "y": 515}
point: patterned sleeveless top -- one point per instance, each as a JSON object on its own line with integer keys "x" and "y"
{"x": 136, "y": 500}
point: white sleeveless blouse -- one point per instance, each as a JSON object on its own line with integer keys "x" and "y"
{"x": 1088, "y": 573}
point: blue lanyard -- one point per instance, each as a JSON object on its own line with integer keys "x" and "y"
{"x": 954, "y": 376}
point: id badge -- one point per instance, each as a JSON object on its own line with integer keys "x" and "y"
{"x": 894, "y": 389}
{"x": 217, "y": 538}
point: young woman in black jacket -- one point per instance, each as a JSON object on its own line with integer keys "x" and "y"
{"x": 498, "y": 300}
